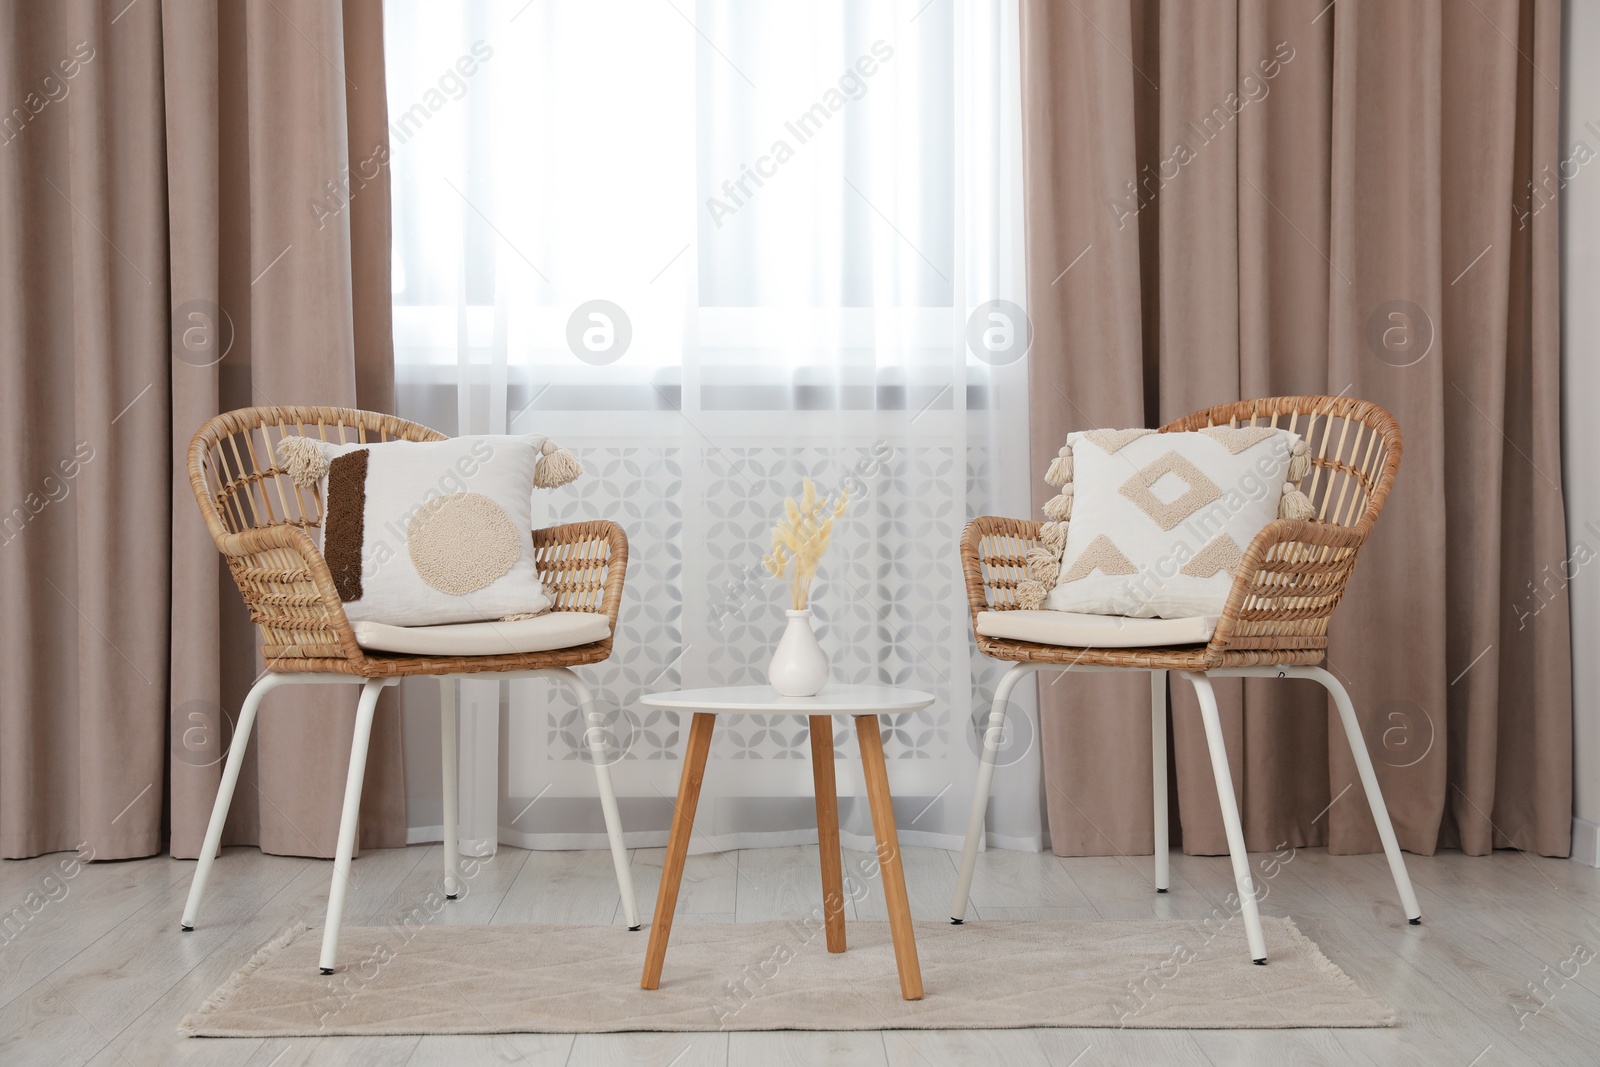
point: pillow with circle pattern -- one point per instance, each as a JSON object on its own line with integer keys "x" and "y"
{"x": 1155, "y": 525}
{"x": 423, "y": 533}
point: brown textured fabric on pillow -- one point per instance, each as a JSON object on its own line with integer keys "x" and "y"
{"x": 343, "y": 525}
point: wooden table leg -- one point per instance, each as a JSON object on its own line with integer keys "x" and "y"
{"x": 892, "y": 874}
{"x": 828, "y": 828}
{"x": 694, "y": 769}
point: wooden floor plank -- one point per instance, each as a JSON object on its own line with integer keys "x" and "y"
{"x": 1281, "y": 1048}
{"x": 530, "y": 1050}
{"x": 919, "y": 1048}
{"x": 1121, "y": 1048}
{"x": 930, "y": 881}
{"x": 562, "y": 887}
{"x": 233, "y": 927}
{"x": 100, "y": 897}
{"x": 710, "y": 884}
{"x": 632, "y": 1050}
{"x": 117, "y": 979}
{"x": 483, "y": 886}
{"x": 1005, "y": 879}
{"x": 1120, "y": 889}
{"x": 786, "y": 883}
{"x": 807, "y": 1048}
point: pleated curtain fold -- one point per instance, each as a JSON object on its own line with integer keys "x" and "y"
{"x": 180, "y": 234}
{"x": 1240, "y": 198}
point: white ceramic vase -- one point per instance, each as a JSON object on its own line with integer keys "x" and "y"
{"x": 799, "y": 668}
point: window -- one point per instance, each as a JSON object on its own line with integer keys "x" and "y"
{"x": 715, "y": 248}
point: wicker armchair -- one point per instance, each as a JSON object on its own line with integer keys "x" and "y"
{"x": 1274, "y": 624}
{"x": 260, "y": 521}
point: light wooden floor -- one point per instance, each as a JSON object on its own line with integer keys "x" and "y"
{"x": 102, "y": 975}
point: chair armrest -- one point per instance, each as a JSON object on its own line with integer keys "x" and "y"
{"x": 1288, "y": 583}
{"x": 582, "y": 566}
{"x": 994, "y": 558}
{"x": 289, "y": 591}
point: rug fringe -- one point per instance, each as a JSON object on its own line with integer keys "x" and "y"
{"x": 1311, "y": 950}
{"x": 190, "y": 1027}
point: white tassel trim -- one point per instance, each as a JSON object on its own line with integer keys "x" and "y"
{"x": 1059, "y": 507}
{"x": 1300, "y": 461}
{"x": 303, "y": 460}
{"x": 1030, "y": 595}
{"x": 1044, "y": 563}
{"x": 1039, "y": 556}
{"x": 1294, "y": 504}
{"x": 1054, "y": 536}
{"x": 556, "y": 466}
{"x": 1060, "y": 472}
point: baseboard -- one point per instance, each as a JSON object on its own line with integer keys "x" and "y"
{"x": 433, "y": 835}
{"x": 1586, "y": 842}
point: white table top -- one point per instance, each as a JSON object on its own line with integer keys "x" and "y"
{"x": 835, "y": 699}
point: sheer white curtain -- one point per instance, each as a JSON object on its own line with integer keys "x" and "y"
{"x": 715, "y": 248}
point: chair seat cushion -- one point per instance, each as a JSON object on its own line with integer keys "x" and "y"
{"x": 1077, "y": 630}
{"x": 555, "y": 629}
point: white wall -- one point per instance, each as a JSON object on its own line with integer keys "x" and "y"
{"x": 1580, "y": 355}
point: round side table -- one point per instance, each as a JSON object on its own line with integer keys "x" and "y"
{"x": 864, "y": 703}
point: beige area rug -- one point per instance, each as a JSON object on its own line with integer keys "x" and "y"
{"x": 780, "y": 976}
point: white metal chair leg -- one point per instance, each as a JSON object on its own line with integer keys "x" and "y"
{"x": 230, "y": 778}
{"x": 993, "y": 734}
{"x": 452, "y": 787}
{"x": 1369, "y": 781}
{"x": 1230, "y": 815}
{"x": 349, "y": 819}
{"x": 594, "y": 734}
{"x": 1158, "y": 776}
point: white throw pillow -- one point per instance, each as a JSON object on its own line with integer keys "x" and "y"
{"x": 423, "y": 533}
{"x": 1154, "y": 525}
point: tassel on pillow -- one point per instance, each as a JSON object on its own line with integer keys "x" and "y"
{"x": 556, "y": 466}
{"x": 1300, "y": 461}
{"x": 1044, "y": 565}
{"x": 1054, "y": 536}
{"x": 303, "y": 460}
{"x": 1060, "y": 472}
{"x": 1059, "y": 507}
{"x": 1294, "y": 504}
{"x": 1030, "y": 594}
{"x": 1049, "y": 573}
{"x": 1041, "y": 556}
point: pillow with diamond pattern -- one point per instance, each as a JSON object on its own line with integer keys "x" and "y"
{"x": 1155, "y": 525}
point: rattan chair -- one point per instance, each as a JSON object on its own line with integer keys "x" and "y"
{"x": 260, "y": 521}
{"x": 1274, "y": 625}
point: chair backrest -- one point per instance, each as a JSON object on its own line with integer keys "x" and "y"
{"x": 1355, "y": 448}
{"x": 234, "y": 470}
{"x": 1285, "y": 604}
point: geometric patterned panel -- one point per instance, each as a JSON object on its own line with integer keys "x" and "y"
{"x": 888, "y": 596}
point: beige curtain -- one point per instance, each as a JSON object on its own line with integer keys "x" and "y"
{"x": 1286, "y": 197}
{"x": 177, "y": 238}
